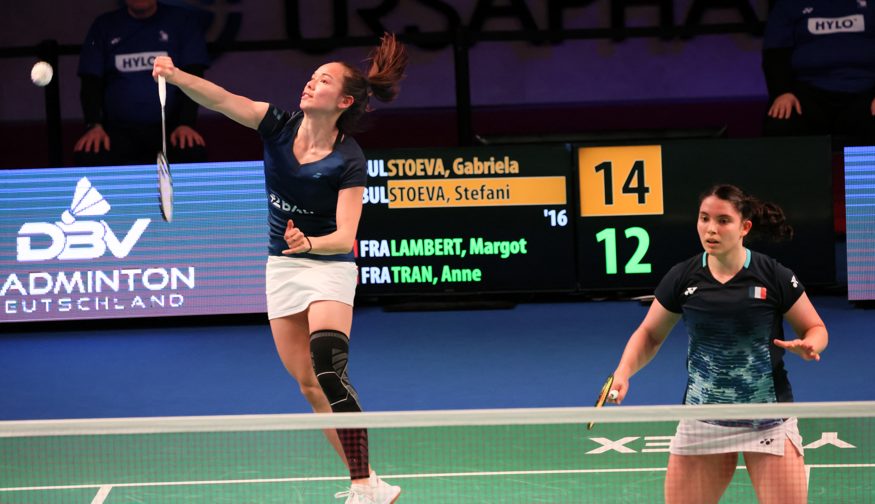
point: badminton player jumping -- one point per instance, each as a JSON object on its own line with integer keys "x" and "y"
{"x": 315, "y": 176}
{"x": 732, "y": 301}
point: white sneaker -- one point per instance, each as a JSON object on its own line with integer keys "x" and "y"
{"x": 357, "y": 494}
{"x": 384, "y": 493}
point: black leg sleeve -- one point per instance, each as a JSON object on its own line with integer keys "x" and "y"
{"x": 330, "y": 352}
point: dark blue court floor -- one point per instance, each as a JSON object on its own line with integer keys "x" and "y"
{"x": 531, "y": 355}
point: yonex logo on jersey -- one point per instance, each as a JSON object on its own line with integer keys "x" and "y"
{"x": 758, "y": 292}
{"x": 808, "y": 10}
{"x": 317, "y": 175}
{"x": 137, "y": 62}
{"x": 115, "y": 41}
{"x": 827, "y": 26}
{"x": 690, "y": 291}
{"x": 794, "y": 282}
{"x": 163, "y": 36}
{"x": 74, "y": 238}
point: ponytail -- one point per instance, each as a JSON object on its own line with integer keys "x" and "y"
{"x": 387, "y": 64}
{"x": 769, "y": 218}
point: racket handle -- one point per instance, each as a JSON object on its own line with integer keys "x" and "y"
{"x": 162, "y": 90}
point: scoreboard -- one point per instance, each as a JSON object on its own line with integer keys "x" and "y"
{"x": 639, "y": 204}
{"x": 80, "y": 243}
{"x": 467, "y": 220}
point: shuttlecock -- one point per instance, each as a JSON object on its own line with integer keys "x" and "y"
{"x": 41, "y": 73}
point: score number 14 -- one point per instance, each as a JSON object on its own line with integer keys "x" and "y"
{"x": 634, "y": 264}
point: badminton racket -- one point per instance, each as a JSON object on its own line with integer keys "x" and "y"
{"x": 603, "y": 396}
{"x": 165, "y": 180}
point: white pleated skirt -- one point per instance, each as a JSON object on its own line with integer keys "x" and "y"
{"x": 700, "y": 438}
{"x": 293, "y": 283}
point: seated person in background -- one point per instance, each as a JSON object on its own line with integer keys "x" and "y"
{"x": 120, "y": 97}
{"x": 819, "y": 64}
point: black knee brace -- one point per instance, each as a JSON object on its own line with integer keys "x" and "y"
{"x": 329, "y": 351}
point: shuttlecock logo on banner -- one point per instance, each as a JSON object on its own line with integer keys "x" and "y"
{"x": 76, "y": 237}
{"x": 87, "y": 201}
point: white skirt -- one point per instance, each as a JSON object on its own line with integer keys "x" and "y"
{"x": 700, "y": 438}
{"x": 293, "y": 283}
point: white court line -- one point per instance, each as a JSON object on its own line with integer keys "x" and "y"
{"x": 840, "y": 466}
{"x": 388, "y": 477}
{"x": 102, "y": 494}
{"x": 178, "y": 483}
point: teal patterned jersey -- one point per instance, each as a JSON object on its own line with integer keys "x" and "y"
{"x": 731, "y": 357}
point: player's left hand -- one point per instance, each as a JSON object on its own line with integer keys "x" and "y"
{"x": 295, "y": 239}
{"x": 184, "y": 136}
{"x": 799, "y": 347}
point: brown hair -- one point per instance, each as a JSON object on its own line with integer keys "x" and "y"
{"x": 768, "y": 218}
{"x": 387, "y": 64}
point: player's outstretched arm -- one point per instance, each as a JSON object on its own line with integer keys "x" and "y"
{"x": 643, "y": 345}
{"x": 808, "y": 326}
{"x": 239, "y": 108}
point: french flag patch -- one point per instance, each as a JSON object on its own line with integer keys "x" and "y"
{"x": 758, "y": 292}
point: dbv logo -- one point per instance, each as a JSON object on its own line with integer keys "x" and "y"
{"x": 73, "y": 239}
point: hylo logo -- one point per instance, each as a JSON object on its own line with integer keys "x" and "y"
{"x": 73, "y": 239}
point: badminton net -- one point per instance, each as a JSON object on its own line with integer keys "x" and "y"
{"x": 494, "y": 456}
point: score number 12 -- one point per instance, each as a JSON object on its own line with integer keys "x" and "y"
{"x": 634, "y": 264}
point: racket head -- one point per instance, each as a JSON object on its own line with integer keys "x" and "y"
{"x": 603, "y": 396}
{"x": 165, "y": 188}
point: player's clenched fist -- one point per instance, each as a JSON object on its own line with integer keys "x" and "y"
{"x": 163, "y": 67}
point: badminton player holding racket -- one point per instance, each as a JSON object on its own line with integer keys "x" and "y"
{"x": 315, "y": 176}
{"x": 732, "y": 301}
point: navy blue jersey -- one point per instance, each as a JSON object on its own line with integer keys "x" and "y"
{"x": 833, "y": 42}
{"x": 731, "y": 357}
{"x": 121, "y": 49}
{"x": 306, "y": 193}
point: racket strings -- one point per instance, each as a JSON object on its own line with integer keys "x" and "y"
{"x": 603, "y": 396}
